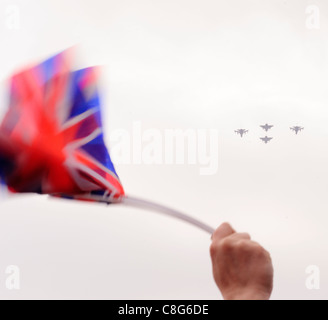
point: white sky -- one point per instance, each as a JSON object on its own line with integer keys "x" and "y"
{"x": 181, "y": 64}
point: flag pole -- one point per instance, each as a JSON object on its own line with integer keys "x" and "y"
{"x": 150, "y": 206}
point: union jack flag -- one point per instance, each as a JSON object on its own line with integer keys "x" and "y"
{"x": 51, "y": 139}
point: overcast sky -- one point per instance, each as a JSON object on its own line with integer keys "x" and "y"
{"x": 182, "y": 64}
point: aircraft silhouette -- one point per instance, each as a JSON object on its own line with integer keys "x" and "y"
{"x": 266, "y": 127}
{"x": 266, "y": 139}
{"x": 241, "y": 132}
{"x": 297, "y": 129}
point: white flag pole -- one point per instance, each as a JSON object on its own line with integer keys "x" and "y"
{"x": 150, "y": 206}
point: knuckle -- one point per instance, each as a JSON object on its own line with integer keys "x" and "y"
{"x": 243, "y": 245}
{"x": 247, "y": 235}
{"x": 267, "y": 253}
{"x": 226, "y": 245}
{"x": 260, "y": 253}
{"x": 225, "y": 225}
{"x": 246, "y": 247}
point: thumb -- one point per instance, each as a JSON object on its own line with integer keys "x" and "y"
{"x": 222, "y": 232}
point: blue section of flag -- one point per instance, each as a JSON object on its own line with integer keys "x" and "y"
{"x": 96, "y": 148}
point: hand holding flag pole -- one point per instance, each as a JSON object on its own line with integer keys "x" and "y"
{"x": 51, "y": 139}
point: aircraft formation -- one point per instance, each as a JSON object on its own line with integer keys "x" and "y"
{"x": 266, "y": 127}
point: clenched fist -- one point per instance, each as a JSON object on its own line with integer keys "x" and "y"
{"x": 242, "y": 269}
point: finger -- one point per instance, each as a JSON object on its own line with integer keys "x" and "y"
{"x": 240, "y": 236}
{"x": 222, "y": 232}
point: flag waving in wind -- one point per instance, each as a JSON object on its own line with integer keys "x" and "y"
{"x": 52, "y": 135}
{"x": 51, "y": 138}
